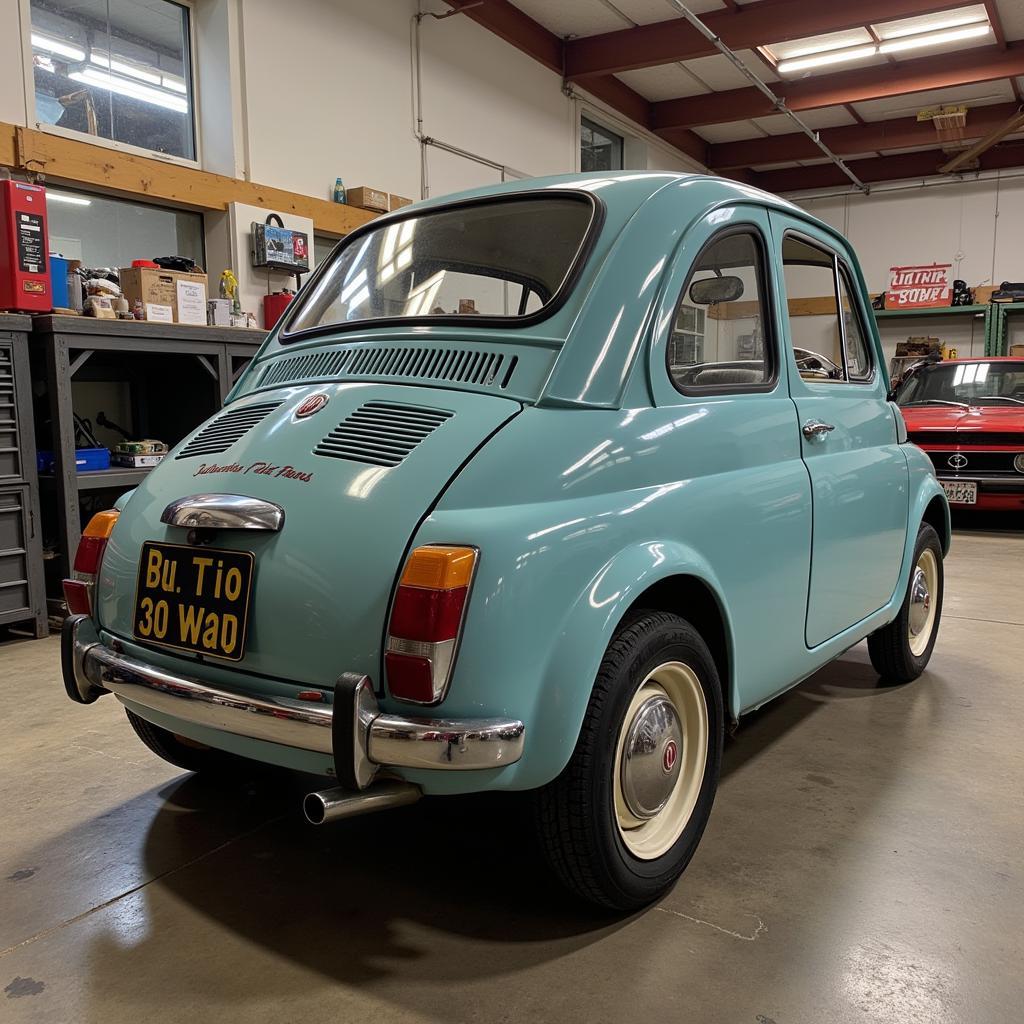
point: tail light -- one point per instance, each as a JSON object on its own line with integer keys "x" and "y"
{"x": 78, "y": 590}
{"x": 426, "y": 620}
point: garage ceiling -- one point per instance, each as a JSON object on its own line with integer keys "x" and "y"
{"x": 859, "y": 71}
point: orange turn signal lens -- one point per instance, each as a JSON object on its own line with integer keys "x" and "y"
{"x": 438, "y": 567}
{"x": 101, "y": 524}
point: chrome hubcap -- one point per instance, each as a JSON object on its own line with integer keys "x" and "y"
{"x": 652, "y": 757}
{"x": 920, "y": 601}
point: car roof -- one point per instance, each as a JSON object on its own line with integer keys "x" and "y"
{"x": 981, "y": 359}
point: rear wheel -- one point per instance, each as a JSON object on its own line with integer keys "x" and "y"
{"x": 900, "y": 651}
{"x": 180, "y": 751}
{"x": 624, "y": 818}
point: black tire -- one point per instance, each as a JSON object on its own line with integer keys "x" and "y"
{"x": 890, "y": 647}
{"x": 182, "y": 753}
{"x": 576, "y": 814}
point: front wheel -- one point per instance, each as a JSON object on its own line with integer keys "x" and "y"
{"x": 900, "y": 651}
{"x": 624, "y": 818}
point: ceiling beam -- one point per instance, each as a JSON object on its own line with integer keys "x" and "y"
{"x": 769, "y": 21}
{"x": 883, "y": 168}
{"x": 521, "y": 31}
{"x": 896, "y": 133}
{"x": 943, "y": 71}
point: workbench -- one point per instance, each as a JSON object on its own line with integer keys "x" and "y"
{"x": 168, "y": 401}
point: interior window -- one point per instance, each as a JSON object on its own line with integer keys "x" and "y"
{"x": 815, "y": 329}
{"x": 858, "y": 359}
{"x": 718, "y": 334}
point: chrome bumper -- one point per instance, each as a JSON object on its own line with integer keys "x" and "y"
{"x": 353, "y": 730}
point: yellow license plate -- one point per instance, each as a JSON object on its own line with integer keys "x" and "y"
{"x": 194, "y": 599}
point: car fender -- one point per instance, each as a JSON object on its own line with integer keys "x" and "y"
{"x": 587, "y": 630}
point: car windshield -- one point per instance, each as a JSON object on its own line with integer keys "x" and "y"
{"x": 981, "y": 383}
{"x": 507, "y": 258}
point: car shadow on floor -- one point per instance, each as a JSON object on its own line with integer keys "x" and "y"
{"x": 388, "y": 896}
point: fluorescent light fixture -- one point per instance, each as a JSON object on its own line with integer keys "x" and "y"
{"x": 60, "y": 197}
{"x": 821, "y": 46}
{"x": 103, "y": 61}
{"x": 105, "y": 80}
{"x": 934, "y": 38}
{"x": 895, "y": 32}
{"x": 821, "y": 59}
{"x": 56, "y": 46}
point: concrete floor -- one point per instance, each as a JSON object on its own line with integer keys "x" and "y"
{"x": 863, "y": 863}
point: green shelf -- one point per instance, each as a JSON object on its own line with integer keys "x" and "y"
{"x": 881, "y": 314}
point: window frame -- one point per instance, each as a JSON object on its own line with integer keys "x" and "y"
{"x": 767, "y": 317}
{"x": 558, "y": 299}
{"x": 32, "y": 117}
{"x": 836, "y": 261}
{"x": 844, "y": 277}
{"x": 592, "y": 123}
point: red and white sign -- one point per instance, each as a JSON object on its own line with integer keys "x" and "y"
{"x": 915, "y": 287}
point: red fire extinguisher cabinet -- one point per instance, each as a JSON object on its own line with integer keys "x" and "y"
{"x": 24, "y": 272}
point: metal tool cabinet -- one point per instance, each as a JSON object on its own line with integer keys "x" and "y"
{"x": 22, "y": 587}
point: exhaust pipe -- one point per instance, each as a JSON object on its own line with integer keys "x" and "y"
{"x": 328, "y": 805}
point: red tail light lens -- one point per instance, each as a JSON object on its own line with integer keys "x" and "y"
{"x": 79, "y": 589}
{"x": 426, "y": 618}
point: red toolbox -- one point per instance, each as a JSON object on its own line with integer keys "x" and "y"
{"x": 24, "y": 273}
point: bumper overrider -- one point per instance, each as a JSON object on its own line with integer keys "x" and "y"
{"x": 363, "y": 741}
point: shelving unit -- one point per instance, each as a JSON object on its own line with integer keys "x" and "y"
{"x": 1001, "y": 314}
{"x": 167, "y": 408}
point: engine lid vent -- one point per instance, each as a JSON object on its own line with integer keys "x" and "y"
{"x": 381, "y": 433}
{"x": 479, "y": 366}
{"x": 226, "y": 429}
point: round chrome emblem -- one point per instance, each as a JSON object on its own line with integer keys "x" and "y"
{"x": 669, "y": 757}
{"x": 311, "y": 405}
{"x": 956, "y": 461}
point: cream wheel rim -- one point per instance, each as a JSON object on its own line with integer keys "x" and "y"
{"x": 924, "y": 590}
{"x": 660, "y": 758}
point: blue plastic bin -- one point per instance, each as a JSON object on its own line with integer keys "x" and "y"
{"x": 86, "y": 460}
{"x": 59, "y": 281}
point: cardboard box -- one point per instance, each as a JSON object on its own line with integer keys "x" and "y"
{"x": 397, "y": 202}
{"x": 368, "y": 198}
{"x": 1016, "y": 350}
{"x": 155, "y": 287}
{"x": 983, "y": 293}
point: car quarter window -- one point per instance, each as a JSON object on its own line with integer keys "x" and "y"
{"x": 719, "y": 338}
{"x": 828, "y": 348}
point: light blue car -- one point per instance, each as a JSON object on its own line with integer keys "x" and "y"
{"x": 538, "y": 487}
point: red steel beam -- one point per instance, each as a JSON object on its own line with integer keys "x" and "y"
{"x": 883, "y": 168}
{"x": 981, "y": 64}
{"x": 897, "y": 133}
{"x": 752, "y": 25}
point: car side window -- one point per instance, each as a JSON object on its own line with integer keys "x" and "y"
{"x": 718, "y": 338}
{"x": 858, "y": 355}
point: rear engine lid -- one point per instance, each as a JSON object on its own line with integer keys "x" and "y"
{"x": 355, "y": 467}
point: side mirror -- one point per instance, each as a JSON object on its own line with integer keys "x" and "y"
{"x": 716, "y": 289}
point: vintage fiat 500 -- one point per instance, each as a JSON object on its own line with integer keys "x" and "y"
{"x": 538, "y": 487}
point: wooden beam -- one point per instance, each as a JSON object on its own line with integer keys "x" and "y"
{"x": 896, "y": 133}
{"x": 81, "y": 163}
{"x": 979, "y": 64}
{"x": 885, "y": 168}
{"x": 970, "y": 154}
{"x": 768, "y": 21}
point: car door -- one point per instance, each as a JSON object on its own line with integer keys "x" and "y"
{"x": 859, "y": 477}
{"x": 729, "y": 434}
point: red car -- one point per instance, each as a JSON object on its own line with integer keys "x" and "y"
{"x": 968, "y": 415}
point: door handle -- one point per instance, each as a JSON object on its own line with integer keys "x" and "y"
{"x": 816, "y": 429}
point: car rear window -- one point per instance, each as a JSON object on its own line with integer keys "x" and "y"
{"x": 509, "y": 259}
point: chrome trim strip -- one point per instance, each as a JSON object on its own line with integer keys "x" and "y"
{"x": 223, "y": 512}
{"x": 385, "y": 740}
